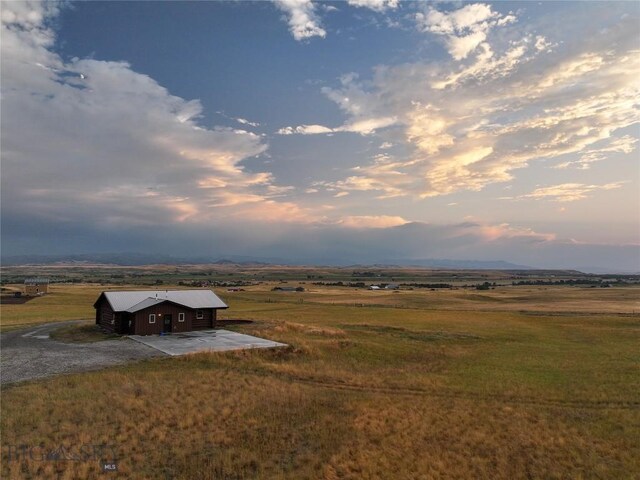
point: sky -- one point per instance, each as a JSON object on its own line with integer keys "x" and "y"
{"x": 348, "y": 132}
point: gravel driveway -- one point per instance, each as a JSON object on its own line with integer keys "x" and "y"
{"x": 28, "y": 354}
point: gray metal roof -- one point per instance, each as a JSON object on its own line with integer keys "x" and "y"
{"x": 148, "y": 302}
{"x": 125, "y": 301}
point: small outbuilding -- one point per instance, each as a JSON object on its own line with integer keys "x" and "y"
{"x": 153, "y": 312}
{"x": 36, "y": 286}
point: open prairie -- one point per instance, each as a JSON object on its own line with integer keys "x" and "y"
{"x": 515, "y": 382}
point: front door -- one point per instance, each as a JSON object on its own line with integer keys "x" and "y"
{"x": 166, "y": 323}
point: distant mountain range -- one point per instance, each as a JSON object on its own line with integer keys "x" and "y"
{"x": 137, "y": 259}
{"x": 458, "y": 264}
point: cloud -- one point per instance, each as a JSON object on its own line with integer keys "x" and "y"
{"x": 302, "y": 19}
{"x": 96, "y": 141}
{"x": 305, "y": 130}
{"x": 336, "y": 243}
{"x": 514, "y": 102}
{"x": 382, "y": 177}
{"x": 625, "y": 144}
{"x": 490, "y": 233}
{"x": 372, "y": 221}
{"x": 305, "y": 23}
{"x": 244, "y": 121}
{"x": 97, "y": 156}
{"x": 363, "y": 126}
{"x": 566, "y": 192}
{"x": 464, "y": 29}
{"x": 377, "y": 5}
{"x": 486, "y": 66}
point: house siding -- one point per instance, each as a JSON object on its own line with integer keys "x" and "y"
{"x": 143, "y": 327}
{"x": 105, "y": 316}
{"x": 208, "y": 319}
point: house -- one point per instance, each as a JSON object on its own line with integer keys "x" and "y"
{"x": 36, "y": 286}
{"x": 152, "y": 312}
{"x": 374, "y": 287}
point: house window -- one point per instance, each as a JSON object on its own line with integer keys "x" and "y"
{"x": 152, "y": 318}
{"x": 199, "y": 314}
{"x": 181, "y": 317}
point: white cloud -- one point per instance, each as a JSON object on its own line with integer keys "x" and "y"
{"x": 461, "y": 47}
{"x": 625, "y": 144}
{"x": 302, "y": 18}
{"x": 364, "y": 126}
{"x": 543, "y": 44}
{"x": 382, "y": 177}
{"x": 464, "y": 29}
{"x": 244, "y": 121}
{"x": 305, "y": 130}
{"x": 566, "y": 192}
{"x": 377, "y": 5}
{"x": 486, "y": 66}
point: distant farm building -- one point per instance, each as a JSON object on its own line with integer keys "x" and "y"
{"x": 36, "y": 286}
{"x": 153, "y": 312}
{"x": 288, "y": 289}
{"x": 392, "y": 286}
{"x": 374, "y": 287}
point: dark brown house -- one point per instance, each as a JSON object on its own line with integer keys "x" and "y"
{"x": 152, "y": 312}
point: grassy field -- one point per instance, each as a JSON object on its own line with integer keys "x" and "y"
{"x": 533, "y": 382}
{"x": 72, "y": 302}
{"x": 65, "y": 302}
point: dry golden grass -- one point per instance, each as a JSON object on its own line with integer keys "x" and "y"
{"x": 83, "y": 333}
{"x": 64, "y": 302}
{"x": 503, "y": 298}
{"x": 362, "y": 392}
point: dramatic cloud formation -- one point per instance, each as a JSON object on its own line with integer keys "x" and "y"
{"x": 470, "y": 125}
{"x": 127, "y": 139}
{"x": 341, "y": 153}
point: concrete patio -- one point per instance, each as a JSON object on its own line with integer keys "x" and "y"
{"x": 204, "y": 341}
